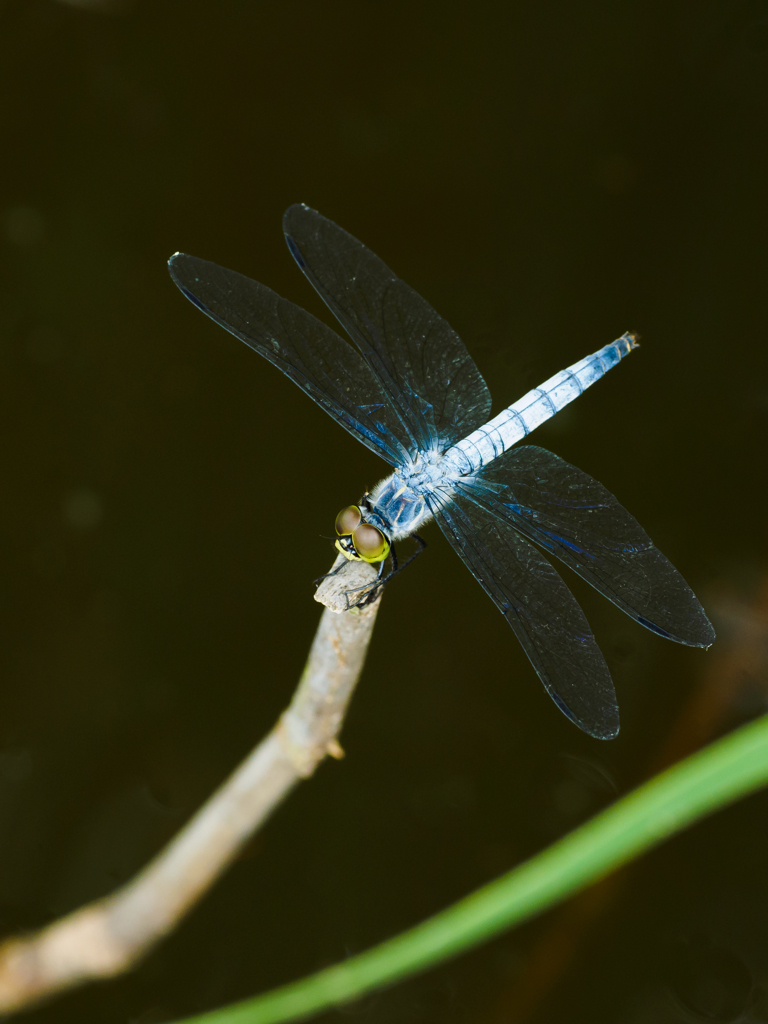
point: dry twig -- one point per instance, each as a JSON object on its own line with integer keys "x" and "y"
{"x": 111, "y": 935}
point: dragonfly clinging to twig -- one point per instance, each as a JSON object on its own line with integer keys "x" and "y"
{"x": 409, "y": 390}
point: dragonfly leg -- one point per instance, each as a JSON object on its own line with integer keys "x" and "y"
{"x": 396, "y": 568}
{"x": 369, "y": 597}
{"x": 399, "y": 568}
{"x": 327, "y": 575}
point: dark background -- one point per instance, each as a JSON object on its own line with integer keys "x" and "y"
{"x": 548, "y": 175}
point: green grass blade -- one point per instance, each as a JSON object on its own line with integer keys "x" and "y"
{"x": 711, "y": 778}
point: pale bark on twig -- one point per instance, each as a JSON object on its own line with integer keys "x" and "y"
{"x": 109, "y": 936}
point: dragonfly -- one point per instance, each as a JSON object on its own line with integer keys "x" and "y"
{"x": 408, "y": 389}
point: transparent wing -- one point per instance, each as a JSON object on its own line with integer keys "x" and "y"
{"x": 540, "y": 609}
{"x": 574, "y": 517}
{"x": 323, "y": 365}
{"x": 421, "y": 362}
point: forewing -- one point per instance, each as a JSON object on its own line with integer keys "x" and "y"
{"x": 421, "y": 362}
{"x": 574, "y": 517}
{"x": 540, "y": 609}
{"x": 323, "y": 365}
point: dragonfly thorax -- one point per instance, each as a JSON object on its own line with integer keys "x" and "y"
{"x": 401, "y": 500}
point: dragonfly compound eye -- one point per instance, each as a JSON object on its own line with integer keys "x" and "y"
{"x": 348, "y": 520}
{"x": 370, "y": 543}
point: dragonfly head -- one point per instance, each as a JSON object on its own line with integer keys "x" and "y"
{"x": 359, "y": 540}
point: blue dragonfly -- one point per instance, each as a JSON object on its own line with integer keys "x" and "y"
{"x": 409, "y": 390}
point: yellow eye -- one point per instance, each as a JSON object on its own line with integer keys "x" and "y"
{"x": 370, "y": 543}
{"x": 348, "y": 520}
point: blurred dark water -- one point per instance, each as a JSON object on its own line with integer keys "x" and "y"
{"x": 548, "y": 176}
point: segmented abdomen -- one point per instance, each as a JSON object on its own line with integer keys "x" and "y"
{"x": 518, "y": 420}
